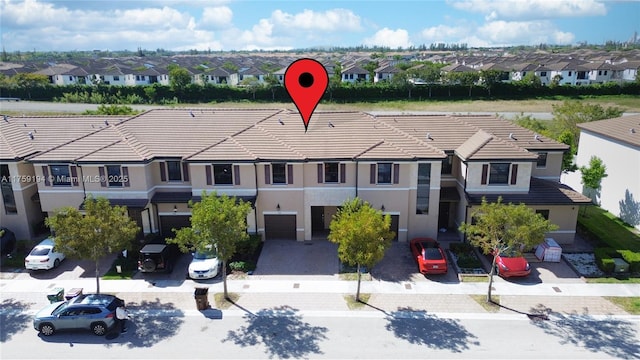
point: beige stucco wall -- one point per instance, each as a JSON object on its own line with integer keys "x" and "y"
{"x": 552, "y": 170}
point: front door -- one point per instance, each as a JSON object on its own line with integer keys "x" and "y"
{"x": 317, "y": 219}
{"x": 443, "y": 216}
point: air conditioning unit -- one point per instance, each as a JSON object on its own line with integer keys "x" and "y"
{"x": 620, "y": 266}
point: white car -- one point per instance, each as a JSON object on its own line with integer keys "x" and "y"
{"x": 205, "y": 265}
{"x": 42, "y": 256}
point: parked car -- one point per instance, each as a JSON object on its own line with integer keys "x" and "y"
{"x": 157, "y": 258}
{"x": 205, "y": 264}
{"x": 512, "y": 264}
{"x": 43, "y": 256}
{"x": 7, "y": 241}
{"x": 95, "y": 312}
{"x": 429, "y": 256}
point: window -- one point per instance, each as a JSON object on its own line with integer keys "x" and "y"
{"x": 499, "y": 174}
{"x": 222, "y": 174}
{"x": 114, "y": 176}
{"x": 542, "y": 160}
{"x": 60, "y": 175}
{"x": 447, "y": 165}
{"x": 543, "y": 213}
{"x": 569, "y": 73}
{"x": 7, "y": 191}
{"x": 174, "y": 170}
{"x": 279, "y": 173}
{"x": 384, "y": 173}
{"x": 424, "y": 184}
{"x": 543, "y": 73}
{"x": 331, "y": 172}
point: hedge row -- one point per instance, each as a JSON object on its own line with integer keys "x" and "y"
{"x": 605, "y": 255}
{"x": 156, "y": 93}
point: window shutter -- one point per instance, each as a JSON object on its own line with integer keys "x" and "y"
{"x": 103, "y": 177}
{"x": 163, "y": 172}
{"x": 185, "y": 171}
{"x": 514, "y": 174}
{"x": 74, "y": 175}
{"x": 289, "y": 174}
{"x": 372, "y": 174}
{"x": 45, "y": 173}
{"x": 236, "y": 174}
{"x": 485, "y": 172}
{"x": 343, "y": 173}
{"x": 207, "y": 171}
{"x": 267, "y": 174}
{"x": 125, "y": 176}
{"x": 396, "y": 173}
{"x": 320, "y": 177}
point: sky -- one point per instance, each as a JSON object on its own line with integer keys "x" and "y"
{"x": 180, "y": 25}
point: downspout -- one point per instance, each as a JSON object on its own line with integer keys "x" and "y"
{"x": 357, "y": 171}
{"x": 255, "y": 212}
{"x": 84, "y": 189}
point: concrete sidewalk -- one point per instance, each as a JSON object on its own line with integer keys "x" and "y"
{"x": 320, "y": 294}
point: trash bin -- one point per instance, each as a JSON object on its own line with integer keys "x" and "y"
{"x": 56, "y": 294}
{"x": 202, "y": 302}
{"x": 73, "y": 293}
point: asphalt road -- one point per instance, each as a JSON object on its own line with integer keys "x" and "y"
{"x": 286, "y": 333}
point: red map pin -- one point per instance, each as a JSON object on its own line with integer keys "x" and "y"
{"x": 306, "y": 81}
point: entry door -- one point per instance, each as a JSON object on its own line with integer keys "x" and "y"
{"x": 317, "y": 219}
{"x": 443, "y": 216}
{"x": 395, "y": 225}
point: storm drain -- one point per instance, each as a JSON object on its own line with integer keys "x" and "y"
{"x": 245, "y": 286}
{"x": 407, "y": 286}
{"x": 556, "y": 289}
{"x": 296, "y": 285}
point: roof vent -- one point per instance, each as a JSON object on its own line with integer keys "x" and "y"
{"x": 31, "y": 135}
{"x": 331, "y": 125}
{"x": 191, "y": 113}
{"x": 106, "y": 122}
{"x": 429, "y": 136}
{"x": 511, "y": 136}
{"x": 6, "y": 118}
{"x": 536, "y": 137}
{"x": 280, "y": 121}
{"x": 632, "y": 130}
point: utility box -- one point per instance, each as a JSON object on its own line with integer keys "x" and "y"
{"x": 549, "y": 251}
{"x": 202, "y": 301}
{"x": 620, "y": 266}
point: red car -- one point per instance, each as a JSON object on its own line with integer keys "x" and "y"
{"x": 511, "y": 264}
{"x": 429, "y": 256}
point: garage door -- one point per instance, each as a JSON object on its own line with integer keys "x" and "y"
{"x": 280, "y": 227}
{"x": 173, "y": 221}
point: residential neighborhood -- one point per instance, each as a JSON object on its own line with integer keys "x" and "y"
{"x": 426, "y": 171}
{"x": 576, "y": 68}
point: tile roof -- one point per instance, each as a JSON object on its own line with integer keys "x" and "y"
{"x": 541, "y": 192}
{"x": 47, "y": 132}
{"x": 210, "y": 135}
{"x": 625, "y": 128}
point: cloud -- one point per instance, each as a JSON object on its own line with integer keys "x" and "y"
{"x": 309, "y": 20}
{"x": 389, "y": 38}
{"x": 444, "y": 34}
{"x": 531, "y": 9}
{"x": 218, "y": 17}
{"x": 508, "y": 33}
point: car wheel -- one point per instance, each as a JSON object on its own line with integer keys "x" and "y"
{"x": 99, "y": 328}
{"x": 47, "y": 329}
{"x": 56, "y": 263}
{"x": 149, "y": 265}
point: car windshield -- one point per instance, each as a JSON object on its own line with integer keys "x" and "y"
{"x": 39, "y": 251}
{"x": 509, "y": 253}
{"x": 432, "y": 254}
{"x": 208, "y": 254}
{"x": 60, "y": 308}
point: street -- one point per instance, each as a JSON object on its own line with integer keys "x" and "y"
{"x": 285, "y": 332}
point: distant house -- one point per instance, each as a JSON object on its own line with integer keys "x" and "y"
{"x": 617, "y": 143}
{"x": 354, "y": 73}
{"x": 385, "y": 73}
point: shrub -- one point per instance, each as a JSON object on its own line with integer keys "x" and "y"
{"x": 242, "y": 266}
{"x": 465, "y": 254}
{"x": 248, "y": 247}
{"x": 604, "y": 258}
{"x": 633, "y": 258}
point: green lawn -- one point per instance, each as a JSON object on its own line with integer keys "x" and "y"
{"x": 629, "y": 304}
{"x": 609, "y": 229}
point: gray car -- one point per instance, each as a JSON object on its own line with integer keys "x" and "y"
{"x": 95, "y": 312}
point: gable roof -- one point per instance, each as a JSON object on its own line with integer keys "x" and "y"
{"x": 625, "y": 129}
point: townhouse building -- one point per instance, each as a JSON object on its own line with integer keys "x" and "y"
{"x": 427, "y": 171}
